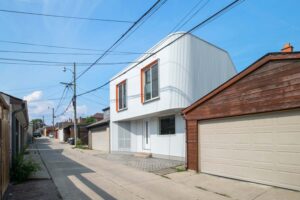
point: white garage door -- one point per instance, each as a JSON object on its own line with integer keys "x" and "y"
{"x": 100, "y": 139}
{"x": 263, "y": 148}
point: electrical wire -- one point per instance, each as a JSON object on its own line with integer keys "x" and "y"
{"x": 65, "y": 17}
{"x": 66, "y": 53}
{"x": 55, "y": 63}
{"x": 204, "y": 22}
{"x": 65, "y": 47}
{"x": 120, "y": 38}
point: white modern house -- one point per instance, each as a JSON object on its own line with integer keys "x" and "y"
{"x": 146, "y": 100}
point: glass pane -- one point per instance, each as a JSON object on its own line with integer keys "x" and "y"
{"x": 124, "y": 95}
{"x": 154, "y": 81}
{"x": 147, "y": 88}
{"x": 167, "y": 125}
{"x": 120, "y": 96}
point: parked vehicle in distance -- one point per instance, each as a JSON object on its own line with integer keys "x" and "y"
{"x": 37, "y": 134}
{"x": 51, "y": 135}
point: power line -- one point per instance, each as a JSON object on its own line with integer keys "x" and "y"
{"x": 66, "y": 109}
{"x": 59, "y": 63}
{"x": 120, "y": 38}
{"x": 66, "y": 53}
{"x": 209, "y": 19}
{"x": 62, "y": 96}
{"x": 65, "y": 47}
{"x": 178, "y": 26}
{"x": 65, "y": 17}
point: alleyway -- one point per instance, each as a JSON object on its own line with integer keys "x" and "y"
{"x": 80, "y": 175}
{"x": 83, "y": 174}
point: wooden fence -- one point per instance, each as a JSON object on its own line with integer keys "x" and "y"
{"x": 4, "y": 154}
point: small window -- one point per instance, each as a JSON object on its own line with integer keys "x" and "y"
{"x": 121, "y": 96}
{"x": 150, "y": 82}
{"x": 167, "y": 125}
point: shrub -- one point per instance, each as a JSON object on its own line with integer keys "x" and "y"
{"x": 78, "y": 142}
{"x": 23, "y": 168}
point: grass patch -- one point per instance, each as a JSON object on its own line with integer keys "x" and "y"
{"x": 180, "y": 168}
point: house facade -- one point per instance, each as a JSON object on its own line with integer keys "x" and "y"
{"x": 146, "y": 100}
{"x": 249, "y": 127}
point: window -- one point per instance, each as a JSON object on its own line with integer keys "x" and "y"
{"x": 121, "y": 102}
{"x": 150, "y": 82}
{"x": 167, "y": 125}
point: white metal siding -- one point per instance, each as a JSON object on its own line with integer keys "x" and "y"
{"x": 100, "y": 138}
{"x": 263, "y": 148}
{"x": 124, "y": 136}
{"x": 188, "y": 69}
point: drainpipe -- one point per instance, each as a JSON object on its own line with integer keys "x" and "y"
{"x": 14, "y": 153}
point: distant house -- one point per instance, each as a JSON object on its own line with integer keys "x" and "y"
{"x": 99, "y": 136}
{"x": 82, "y": 133}
{"x": 146, "y": 99}
{"x": 249, "y": 127}
{"x": 49, "y": 129}
{"x": 97, "y": 116}
{"x": 60, "y": 130}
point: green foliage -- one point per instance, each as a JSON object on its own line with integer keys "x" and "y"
{"x": 180, "y": 168}
{"x": 78, "y": 142}
{"x": 80, "y": 145}
{"x": 90, "y": 120}
{"x": 23, "y": 168}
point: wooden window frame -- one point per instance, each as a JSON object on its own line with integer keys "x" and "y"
{"x": 155, "y": 62}
{"x": 117, "y": 95}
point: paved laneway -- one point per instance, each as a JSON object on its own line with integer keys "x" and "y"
{"x": 80, "y": 175}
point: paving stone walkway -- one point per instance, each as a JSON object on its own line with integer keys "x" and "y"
{"x": 155, "y": 165}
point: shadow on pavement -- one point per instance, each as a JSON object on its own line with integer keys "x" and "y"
{"x": 67, "y": 174}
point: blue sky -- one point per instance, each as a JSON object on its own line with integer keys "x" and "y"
{"x": 247, "y": 32}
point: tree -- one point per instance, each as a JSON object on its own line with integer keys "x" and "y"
{"x": 37, "y": 123}
{"x": 90, "y": 120}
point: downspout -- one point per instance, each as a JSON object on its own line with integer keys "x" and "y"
{"x": 14, "y": 130}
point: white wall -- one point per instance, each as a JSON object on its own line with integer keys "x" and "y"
{"x": 61, "y": 135}
{"x": 167, "y": 146}
{"x": 188, "y": 69}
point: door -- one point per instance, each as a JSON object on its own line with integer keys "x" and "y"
{"x": 263, "y": 148}
{"x": 146, "y": 135}
{"x": 100, "y": 139}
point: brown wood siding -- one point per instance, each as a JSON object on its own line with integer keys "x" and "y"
{"x": 192, "y": 144}
{"x": 4, "y": 147}
{"x": 274, "y": 86}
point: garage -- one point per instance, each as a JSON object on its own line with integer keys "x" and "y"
{"x": 99, "y": 138}
{"x": 263, "y": 148}
{"x": 249, "y": 127}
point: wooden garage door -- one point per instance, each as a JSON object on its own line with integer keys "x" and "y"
{"x": 263, "y": 148}
{"x": 100, "y": 139}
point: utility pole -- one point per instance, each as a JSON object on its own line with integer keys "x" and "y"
{"x": 53, "y": 129}
{"x": 74, "y": 104}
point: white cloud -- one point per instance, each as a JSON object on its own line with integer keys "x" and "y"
{"x": 81, "y": 111}
{"x": 36, "y": 106}
{"x": 36, "y": 95}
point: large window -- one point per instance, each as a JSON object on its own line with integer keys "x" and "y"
{"x": 150, "y": 82}
{"x": 121, "y": 96}
{"x": 167, "y": 125}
